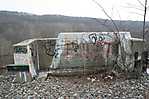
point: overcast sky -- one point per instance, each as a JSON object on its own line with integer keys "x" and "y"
{"x": 117, "y": 9}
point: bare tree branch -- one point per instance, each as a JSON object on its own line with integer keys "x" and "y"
{"x": 134, "y": 8}
{"x": 136, "y": 13}
{"x": 116, "y": 27}
{"x": 140, "y": 3}
{"x": 104, "y": 24}
{"x": 133, "y": 5}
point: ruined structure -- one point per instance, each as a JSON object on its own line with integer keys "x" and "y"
{"x": 95, "y": 50}
{"x": 76, "y": 51}
{"x": 32, "y": 56}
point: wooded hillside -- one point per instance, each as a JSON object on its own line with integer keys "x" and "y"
{"x": 18, "y": 26}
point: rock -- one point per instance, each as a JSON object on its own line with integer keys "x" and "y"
{"x": 74, "y": 87}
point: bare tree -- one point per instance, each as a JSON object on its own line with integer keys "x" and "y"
{"x": 145, "y": 8}
{"x": 142, "y": 8}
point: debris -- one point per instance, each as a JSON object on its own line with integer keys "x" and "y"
{"x": 93, "y": 79}
{"x": 89, "y": 86}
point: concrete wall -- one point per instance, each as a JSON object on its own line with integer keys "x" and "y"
{"x": 84, "y": 49}
{"x": 45, "y": 52}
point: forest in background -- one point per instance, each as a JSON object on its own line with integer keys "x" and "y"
{"x": 18, "y": 26}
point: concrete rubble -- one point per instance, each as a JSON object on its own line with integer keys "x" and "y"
{"x": 96, "y": 86}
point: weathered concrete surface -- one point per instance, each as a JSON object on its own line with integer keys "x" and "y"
{"x": 98, "y": 86}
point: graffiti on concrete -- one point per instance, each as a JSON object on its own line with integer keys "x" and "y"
{"x": 72, "y": 46}
{"x": 100, "y": 39}
{"x": 79, "y": 49}
{"x": 20, "y": 50}
{"x": 50, "y": 48}
{"x": 55, "y": 53}
{"x": 93, "y": 38}
{"x": 85, "y": 49}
